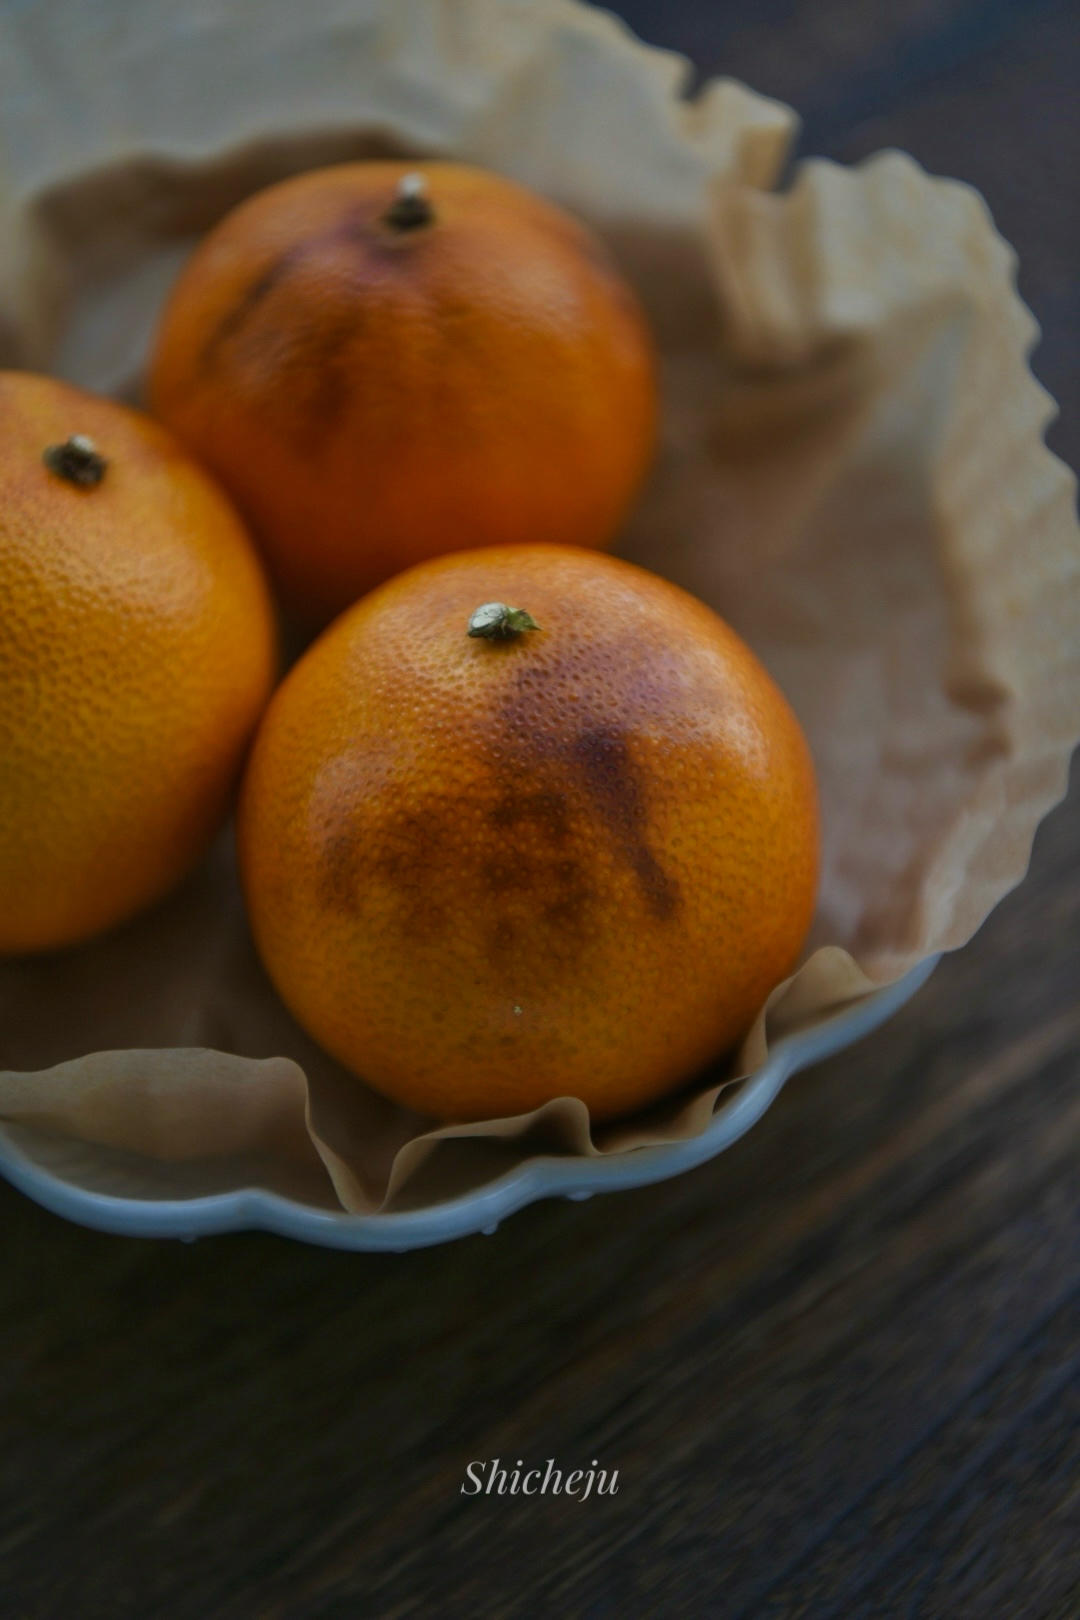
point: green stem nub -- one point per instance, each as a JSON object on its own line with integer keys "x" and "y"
{"x": 411, "y": 206}
{"x": 494, "y": 621}
{"x": 78, "y": 460}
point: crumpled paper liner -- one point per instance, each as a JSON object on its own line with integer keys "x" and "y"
{"x": 852, "y": 473}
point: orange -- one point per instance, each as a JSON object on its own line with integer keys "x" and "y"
{"x": 379, "y": 374}
{"x": 136, "y": 654}
{"x": 486, "y": 873}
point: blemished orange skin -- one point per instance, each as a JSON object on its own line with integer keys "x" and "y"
{"x": 487, "y": 874}
{"x": 372, "y": 396}
{"x": 137, "y": 651}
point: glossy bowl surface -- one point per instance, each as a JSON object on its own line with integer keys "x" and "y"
{"x": 252, "y": 1208}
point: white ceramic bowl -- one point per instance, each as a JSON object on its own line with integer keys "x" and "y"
{"x": 99, "y": 204}
{"x": 477, "y": 1211}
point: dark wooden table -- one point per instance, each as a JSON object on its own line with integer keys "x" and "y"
{"x": 838, "y": 1370}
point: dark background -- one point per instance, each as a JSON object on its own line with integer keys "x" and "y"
{"x": 838, "y": 1369}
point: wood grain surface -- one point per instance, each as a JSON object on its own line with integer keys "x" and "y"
{"x": 838, "y": 1369}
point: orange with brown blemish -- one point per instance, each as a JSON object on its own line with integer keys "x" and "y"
{"x": 379, "y": 377}
{"x": 136, "y": 654}
{"x": 484, "y": 873}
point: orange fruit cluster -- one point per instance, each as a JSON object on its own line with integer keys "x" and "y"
{"x": 525, "y": 821}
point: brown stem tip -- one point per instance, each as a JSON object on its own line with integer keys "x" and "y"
{"x": 411, "y": 206}
{"x": 494, "y": 621}
{"x": 77, "y": 460}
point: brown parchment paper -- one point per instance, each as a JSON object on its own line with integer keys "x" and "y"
{"x": 852, "y": 473}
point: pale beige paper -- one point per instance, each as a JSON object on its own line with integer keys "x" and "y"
{"x": 852, "y": 473}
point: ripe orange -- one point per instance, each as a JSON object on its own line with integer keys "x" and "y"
{"x": 379, "y": 375}
{"x": 486, "y": 873}
{"x": 136, "y": 653}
